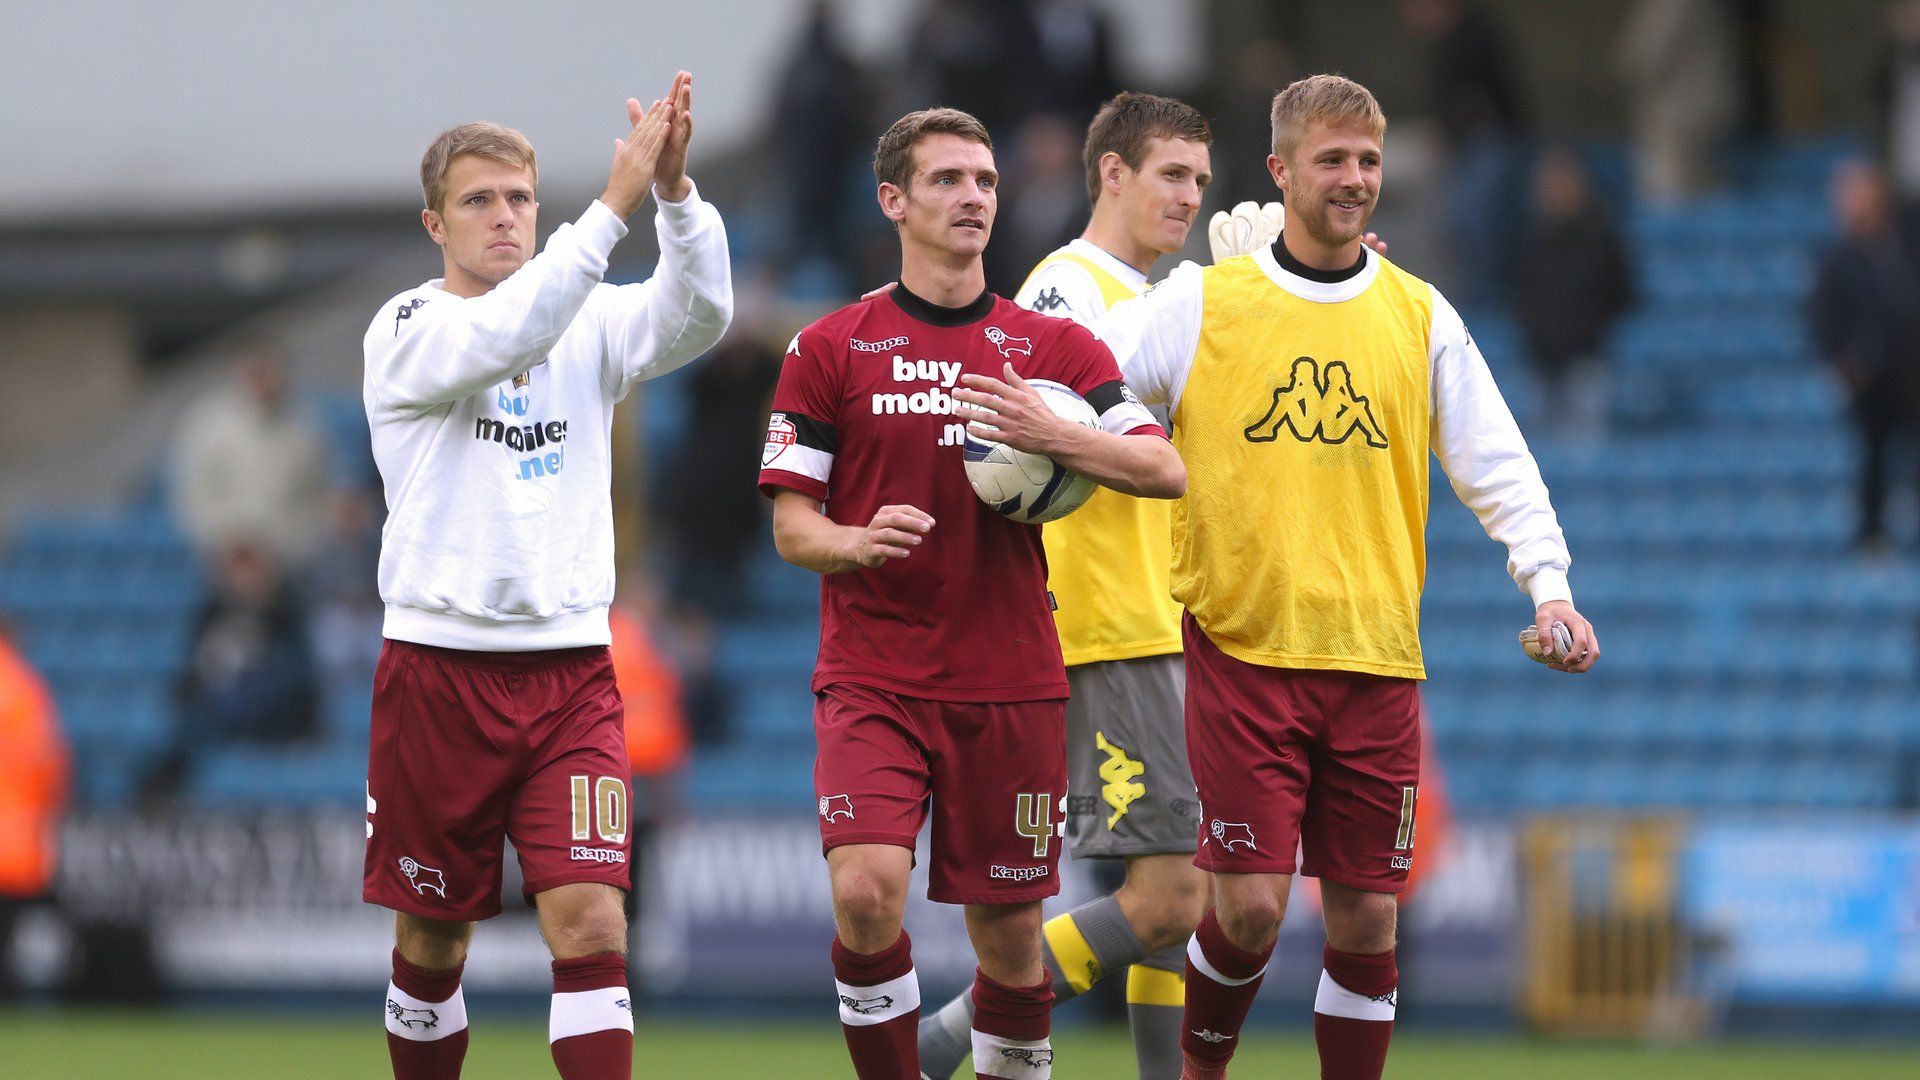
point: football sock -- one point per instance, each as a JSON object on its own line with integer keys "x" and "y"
{"x": 1222, "y": 979}
{"x": 591, "y": 1024}
{"x": 1353, "y": 1014}
{"x": 879, "y": 1009}
{"x": 1011, "y": 1025}
{"x": 1156, "y": 998}
{"x": 426, "y": 1021}
{"x": 1083, "y": 946}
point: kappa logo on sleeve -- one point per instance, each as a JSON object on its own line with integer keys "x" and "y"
{"x": 406, "y": 312}
{"x": 1048, "y": 301}
{"x": 423, "y": 878}
{"x": 1008, "y": 344}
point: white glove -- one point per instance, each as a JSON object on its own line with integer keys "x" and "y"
{"x": 1248, "y": 227}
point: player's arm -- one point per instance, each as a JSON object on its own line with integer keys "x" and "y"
{"x": 1495, "y": 475}
{"x": 444, "y": 348}
{"x": 680, "y": 312}
{"x": 807, "y": 537}
{"x": 1137, "y": 459}
{"x": 1153, "y": 337}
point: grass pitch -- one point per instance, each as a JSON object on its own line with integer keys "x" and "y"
{"x": 207, "y": 1045}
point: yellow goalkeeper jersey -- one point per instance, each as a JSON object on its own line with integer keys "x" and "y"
{"x": 1109, "y": 563}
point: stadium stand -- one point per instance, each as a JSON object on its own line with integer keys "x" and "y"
{"x": 1751, "y": 659}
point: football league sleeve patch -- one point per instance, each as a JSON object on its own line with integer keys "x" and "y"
{"x": 798, "y": 454}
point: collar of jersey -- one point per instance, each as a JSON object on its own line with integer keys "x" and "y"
{"x": 1108, "y": 261}
{"x": 927, "y": 311}
{"x": 1320, "y": 292}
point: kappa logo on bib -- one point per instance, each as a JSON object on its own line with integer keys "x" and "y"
{"x": 1319, "y": 405}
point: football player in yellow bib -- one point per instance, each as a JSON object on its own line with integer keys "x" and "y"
{"x": 1308, "y": 383}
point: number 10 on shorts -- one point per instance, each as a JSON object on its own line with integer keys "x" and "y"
{"x": 599, "y": 806}
{"x": 1408, "y": 797}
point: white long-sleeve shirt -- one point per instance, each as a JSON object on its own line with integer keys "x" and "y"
{"x": 1471, "y": 431}
{"x": 492, "y": 423}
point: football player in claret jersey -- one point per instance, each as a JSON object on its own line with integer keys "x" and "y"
{"x": 489, "y": 394}
{"x": 1131, "y": 793}
{"x": 1308, "y": 383}
{"x": 939, "y": 676}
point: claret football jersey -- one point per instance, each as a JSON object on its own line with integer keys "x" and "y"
{"x": 864, "y": 417}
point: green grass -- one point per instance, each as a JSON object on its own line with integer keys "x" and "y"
{"x": 255, "y": 1046}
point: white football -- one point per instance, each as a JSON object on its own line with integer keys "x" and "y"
{"x": 1031, "y": 488}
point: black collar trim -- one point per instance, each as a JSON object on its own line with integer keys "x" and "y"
{"x": 928, "y": 312}
{"x": 1325, "y": 277}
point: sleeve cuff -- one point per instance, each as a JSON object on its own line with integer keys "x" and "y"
{"x": 1549, "y": 583}
{"x": 682, "y": 218}
{"x": 601, "y": 223}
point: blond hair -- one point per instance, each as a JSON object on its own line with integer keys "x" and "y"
{"x": 893, "y": 158}
{"x": 495, "y": 142}
{"x": 1334, "y": 99}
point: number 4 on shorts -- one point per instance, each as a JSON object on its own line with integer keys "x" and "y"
{"x": 1033, "y": 819}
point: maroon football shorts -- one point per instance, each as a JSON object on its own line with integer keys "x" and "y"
{"x": 470, "y": 748}
{"x": 1325, "y": 762}
{"x": 996, "y": 773}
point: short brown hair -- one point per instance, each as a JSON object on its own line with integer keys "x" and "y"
{"x": 893, "y": 158}
{"x": 1128, "y": 121}
{"x": 1332, "y": 98}
{"x": 496, "y": 142}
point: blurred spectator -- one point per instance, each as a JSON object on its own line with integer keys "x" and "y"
{"x": 1680, "y": 62}
{"x": 709, "y": 518}
{"x": 983, "y": 56}
{"x": 1472, "y": 84}
{"x": 1045, "y": 204}
{"x": 1864, "y": 316}
{"x": 248, "y": 467}
{"x": 1239, "y": 111}
{"x": 250, "y": 674}
{"x": 1572, "y": 281}
{"x": 33, "y": 790}
{"x": 1900, "y": 97}
{"x": 819, "y": 130}
{"x": 1077, "y": 55}
{"x": 656, "y": 729}
{"x": 341, "y": 593}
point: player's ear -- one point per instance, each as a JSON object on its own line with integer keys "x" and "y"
{"x": 1277, "y": 167}
{"x": 1113, "y": 169}
{"x": 893, "y": 202}
{"x": 430, "y": 220}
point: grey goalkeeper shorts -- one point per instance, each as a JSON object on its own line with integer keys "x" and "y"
{"x": 1130, "y": 790}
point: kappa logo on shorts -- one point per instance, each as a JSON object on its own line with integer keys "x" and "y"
{"x": 1008, "y": 344}
{"x": 1401, "y": 862}
{"x": 598, "y": 854}
{"x": 1119, "y": 779}
{"x": 1229, "y": 833}
{"x": 423, "y": 878}
{"x": 1016, "y": 873}
{"x": 425, "y": 1019}
{"x": 833, "y": 807}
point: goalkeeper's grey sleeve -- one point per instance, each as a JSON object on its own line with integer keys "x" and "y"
{"x": 1487, "y": 460}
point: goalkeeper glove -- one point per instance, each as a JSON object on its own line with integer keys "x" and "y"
{"x": 1248, "y": 227}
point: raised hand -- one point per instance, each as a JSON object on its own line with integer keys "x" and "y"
{"x": 670, "y": 177}
{"x": 636, "y": 158}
